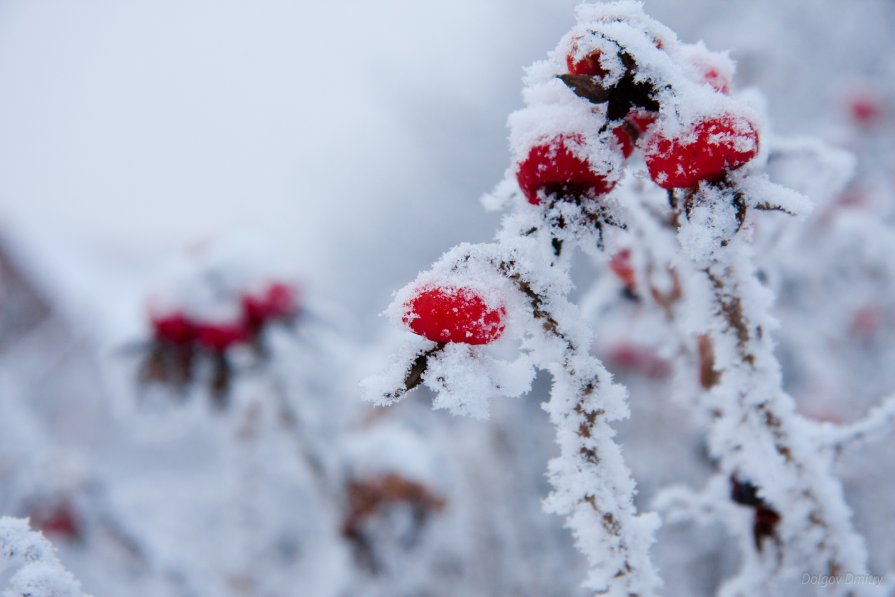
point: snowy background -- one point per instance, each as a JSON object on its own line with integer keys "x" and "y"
{"x": 354, "y": 138}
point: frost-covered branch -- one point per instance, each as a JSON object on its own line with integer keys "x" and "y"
{"x": 523, "y": 281}
{"x": 38, "y": 570}
{"x": 679, "y": 503}
{"x": 755, "y": 431}
{"x": 877, "y": 424}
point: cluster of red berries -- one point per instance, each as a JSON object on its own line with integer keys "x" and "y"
{"x": 560, "y": 167}
{"x": 179, "y": 337}
{"x": 276, "y": 302}
{"x": 704, "y": 151}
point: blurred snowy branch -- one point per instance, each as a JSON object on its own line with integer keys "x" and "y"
{"x": 877, "y": 424}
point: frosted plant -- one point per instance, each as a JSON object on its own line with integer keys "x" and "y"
{"x": 38, "y": 572}
{"x": 641, "y": 174}
{"x": 213, "y": 312}
{"x": 619, "y": 103}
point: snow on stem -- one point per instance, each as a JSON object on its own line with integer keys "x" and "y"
{"x": 592, "y": 486}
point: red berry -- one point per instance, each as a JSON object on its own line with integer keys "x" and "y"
{"x": 864, "y": 107}
{"x": 556, "y": 169}
{"x": 636, "y": 123}
{"x": 589, "y": 65}
{"x": 59, "y": 520}
{"x": 637, "y": 359}
{"x": 866, "y": 321}
{"x": 704, "y": 152}
{"x": 620, "y": 264}
{"x": 641, "y": 119}
{"x": 454, "y": 315}
{"x": 625, "y": 143}
{"x": 854, "y": 197}
{"x": 276, "y": 301}
{"x": 218, "y": 337}
{"x": 175, "y": 328}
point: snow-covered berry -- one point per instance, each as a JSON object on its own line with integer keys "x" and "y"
{"x": 588, "y": 65}
{"x": 560, "y": 167}
{"x": 704, "y": 152}
{"x": 446, "y": 314}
